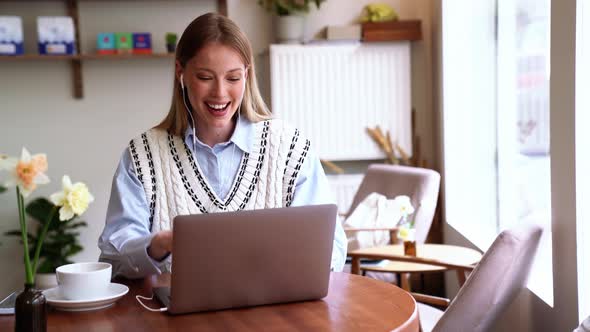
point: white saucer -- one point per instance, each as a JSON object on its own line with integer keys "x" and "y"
{"x": 115, "y": 292}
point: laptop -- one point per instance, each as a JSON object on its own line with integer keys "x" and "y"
{"x": 250, "y": 258}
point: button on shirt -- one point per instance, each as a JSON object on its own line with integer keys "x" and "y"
{"x": 126, "y": 235}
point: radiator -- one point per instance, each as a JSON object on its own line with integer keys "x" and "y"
{"x": 332, "y": 93}
{"x": 344, "y": 187}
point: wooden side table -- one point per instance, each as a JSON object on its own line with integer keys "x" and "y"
{"x": 450, "y": 257}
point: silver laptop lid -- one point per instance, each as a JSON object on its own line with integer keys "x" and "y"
{"x": 248, "y": 258}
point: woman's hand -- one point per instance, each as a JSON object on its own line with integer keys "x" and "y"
{"x": 161, "y": 245}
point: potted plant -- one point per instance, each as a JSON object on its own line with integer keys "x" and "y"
{"x": 61, "y": 241}
{"x": 25, "y": 174}
{"x": 171, "y": 42}
{"x": 289, "y": 17}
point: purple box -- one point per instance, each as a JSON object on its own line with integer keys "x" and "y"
{"x": 142, "y": 43}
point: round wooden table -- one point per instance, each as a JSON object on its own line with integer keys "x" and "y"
{"x": 354, "y": 303}
{"x": 403, "y": 265}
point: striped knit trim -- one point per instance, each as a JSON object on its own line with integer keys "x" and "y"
{"x": 239, "y": 177}
{"x": 185, "y": 181}
{"x": 200, "y": 178}
{"x": 141, "y": 176}
{"x": 295, "y": 172}
{"x": 261, "y": 154}
{"x": 152, "y": 178}
{"x": 291, "y": 148}
{"x": 238, "y": 184}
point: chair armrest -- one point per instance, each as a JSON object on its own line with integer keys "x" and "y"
{"x": 369, "y": 229}
{"x": 356, "y": 256}
{"x": 392, "y": 231}
{"x": 432, "y": 300}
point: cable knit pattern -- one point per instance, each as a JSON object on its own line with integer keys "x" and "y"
{"x": 174, "y": 183}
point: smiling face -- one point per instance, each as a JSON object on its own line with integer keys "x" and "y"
{"x": 215, "y": 81}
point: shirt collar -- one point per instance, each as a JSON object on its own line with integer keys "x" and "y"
{"x": 242, "y": 135}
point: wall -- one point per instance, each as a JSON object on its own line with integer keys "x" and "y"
{"x": 257, "y": 24}
{"x": 85, "y": 138}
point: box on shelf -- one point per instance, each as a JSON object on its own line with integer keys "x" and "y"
{"x": 56, "y": 35}
{"x": 142, "y": 43}
{"x": 11, "y": 35}
{"x": 123, "y": 42}
{"x": 105, "y": 43}
{"x": 348, "y": 32}
{"x": 393, "y": 30}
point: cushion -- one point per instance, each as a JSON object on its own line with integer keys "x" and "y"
{"x": 375, "y": 211}
{"x": 428, "y": 316}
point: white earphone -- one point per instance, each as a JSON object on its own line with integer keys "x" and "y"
{"x": 188, "y": 109}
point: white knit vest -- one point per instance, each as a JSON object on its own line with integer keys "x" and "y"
{"x": 174, "y": 184}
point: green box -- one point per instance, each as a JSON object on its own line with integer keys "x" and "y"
{"x": 124, "y": 41}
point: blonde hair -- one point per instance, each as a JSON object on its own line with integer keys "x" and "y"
{"x": 214, "y": 28}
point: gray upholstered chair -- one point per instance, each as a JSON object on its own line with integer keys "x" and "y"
{"x": 420, "y": 184}
{"x": 489, "y": 289}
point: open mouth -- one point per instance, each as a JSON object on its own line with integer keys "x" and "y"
{"x": 217, "y": 108}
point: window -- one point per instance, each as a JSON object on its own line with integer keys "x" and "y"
{"x": 524, "y": 173}
{"x": 496, "y": 122}
{"x": 469, "y": 118}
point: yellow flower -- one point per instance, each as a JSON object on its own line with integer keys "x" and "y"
{"x": 73, "y": 199}
{"x": 406, "y": 233}
{"x": 27, "y": 172}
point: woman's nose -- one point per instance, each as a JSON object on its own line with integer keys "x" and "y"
{"x": 219, "y": 88}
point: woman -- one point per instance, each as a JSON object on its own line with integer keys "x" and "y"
{"x": 218, "y": 129}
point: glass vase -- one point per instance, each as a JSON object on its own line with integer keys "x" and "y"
{"x": 30, "y": 310}
{"x": 410, "y": 248}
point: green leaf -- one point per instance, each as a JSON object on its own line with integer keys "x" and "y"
{"x": 39, "y": 210}
{"x": 13, "y": 233}
{"x": 73, "y": 250}
{"x": 46, "y": 267}
{"x": 2, "y": 189}
{"x": 76, "y": 225}
{"x": 61, "y": 240}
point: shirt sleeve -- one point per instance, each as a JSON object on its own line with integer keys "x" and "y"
{"x": 312, "y": 188}
{"x": 126, "y": 235}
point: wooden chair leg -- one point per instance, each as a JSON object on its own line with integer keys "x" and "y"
{"x": 422, "y": 282}
{"x": 405, "y": 282}
{"x": 355, "y": 265}
{"x": 461, "y": 277}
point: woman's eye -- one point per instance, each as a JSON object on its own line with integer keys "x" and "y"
{"x": 205, "y": 78}
{"x": 233, "y": 79}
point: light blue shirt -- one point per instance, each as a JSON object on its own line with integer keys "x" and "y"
{"x": 126, "y": 236}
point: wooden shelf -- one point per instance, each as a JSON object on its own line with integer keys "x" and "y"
{"x": 410, "y": 30}
{"x": 76, "y": 59}
{"x": 30, "y": 57}
{"x": 126, "y": 56}
{"x": 27, "y": 57}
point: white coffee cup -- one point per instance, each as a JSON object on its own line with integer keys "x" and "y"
{"x": 84, "y": 281}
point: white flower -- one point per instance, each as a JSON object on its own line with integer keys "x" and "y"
{"x": 73, "y": 199}
{"x": 406, "y": 233}
{"x": 26, "y": 172}
{"x": 403, "y": 204}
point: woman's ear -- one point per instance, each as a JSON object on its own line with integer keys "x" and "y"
{"x": 178, "y": 70}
